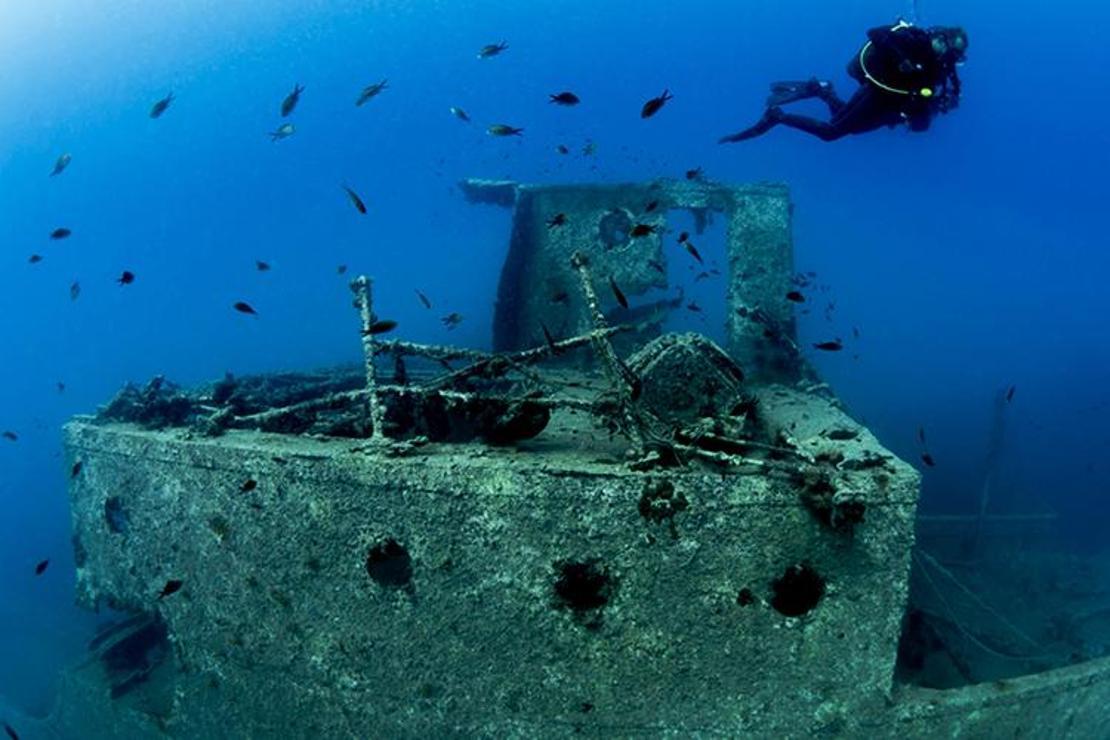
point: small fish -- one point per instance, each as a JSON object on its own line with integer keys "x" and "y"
{"x": 565, "y": 98}
{"x": 76, "y": 469}
{"x": 928, "y": 459}
{"x": 172, "y": 586}
{"x": 61, "y": 163}
{"x": 284, "y": 131}
{"x": 657, "y": 266}
{"x": 652, "y": 106}
{"x": 41, "y": 567}
{"x": 262, "y": 266}
{"x": 921, "y": 435}
{"x": 834, "y": 345}
{"x": 683, "y": 237}
{"x": 617, "y": 293}
{"x": 501, "y": 129}
{"x": 855, "y": 332}
{"x": 452, "y": 320}
{"x": 703, "y": 275}
{"x": 341, "y": 269}
{"x": 355, "y": 200}
{"x": 460, "y": 114}
{"x": 159, "y": 108}
{"x": 126, "y": 278}
{"x": 60, "y": 386}
{"x": 562, "y": 149}
{"x": 423, "y": 299}
{"x": 689, "y": 246}
{"x": 248, "y": 485}
{"x": 60, "y": 233}
{"x": 291, "y": 100}
{"x": 10, "y": 436}
{"x": 11, "y": 733}
{"x": 74, "y": 290}
{"x": 694, "y": 174}
{"x": 692, "y": 306}
{"x": 557, "y": 220}
{"x": 589, "y": 149}
{"x": 371, "y": 91}
{"x": 796, "y": 297}
{"x": 34, "y": 259}
{"x": 380, "y": 327}
{"x": 492, "y": 50}
{"x": 651, "y": 206}
{"x": 1010, "y": 393}
{"x": 560, "y": 296}
{"x": 244, "y": 307}
{"x": 640, "y": 230}
{"x": 550, "y": 339}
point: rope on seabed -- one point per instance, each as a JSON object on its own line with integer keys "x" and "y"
{"x": 924, "y": 559}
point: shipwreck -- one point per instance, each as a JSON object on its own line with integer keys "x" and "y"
{"x": 596, "y": 528}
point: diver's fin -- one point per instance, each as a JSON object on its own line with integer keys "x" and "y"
{"x": 790, "y": 91}
{"x": 771, "y": 117}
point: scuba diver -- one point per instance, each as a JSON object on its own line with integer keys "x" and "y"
{"x": 906, "y": 74}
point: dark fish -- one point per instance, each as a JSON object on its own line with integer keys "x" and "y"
{"x": 689, "y": 245}
{"x": 60, "y": 386}
{"x": 10, "y": 436}
{"x": 589, "y": 149}
{"x": 60, "y": 233}
{"x": 1010, "y": 393}
{"x": 355, "y": 200}
{"x": 652, "y": 106}
{"x": 492, "y": 50}
{"x": 284, "y": 131}
{"x": 341, "y": 269}
{"x": 617, "y": 293}
{"x": 159, "y": 108}
{"x": 550, "y": 339}
{"x": 562, "y": 149}
{"x": 501, "y": 129}
{"x": 61, "y": 163}
{"x": 244, "y": 307}
{"x": 35, "y": 259}
{"x": 651, "y": 206}
{"x": 262, "y": 266}
{"x": 452, "y": 320}
{"x": 560, "y": 296}
{"x": 683, "y": 237}
{"x": 172, "y": 586}
{"x": 291, "y": 100}
{"x": 557, "y": 220}
{"x": 41, "y": 567}
{"x": 126, "y": 278}
{"x": 460, "y": 114}
{"x": 928, "y": 459}
{"x": 694, "y": 174}
{"x": 657, "y": 266}
{"x": 423, "y": 299}
{"x": 565, "y": 98}
{"x": 703, "y": 275}
{"x": 74, "y": 290}
{"x": 921, "y": 435}
{"x": 640, "y": 230}
{"x": 11, "y": 733}
{"x": 691, "y": 306}
{"x": 380, "y": 327}
{"x": 76, "y": 469}
{"x": 371, "y": 91}
{"x": 248, "y": 485}
{"x": 834, "y": 345}
{"x": 855, "y": 332}
{"x": 796, "y": 297}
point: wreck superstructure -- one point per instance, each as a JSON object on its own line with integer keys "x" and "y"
{"x": 592, "y": 530}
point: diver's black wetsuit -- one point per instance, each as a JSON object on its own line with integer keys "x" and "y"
{"x": 905, "y": 81}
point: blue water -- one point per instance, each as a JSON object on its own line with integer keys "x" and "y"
{"x": 971, "y": 257}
